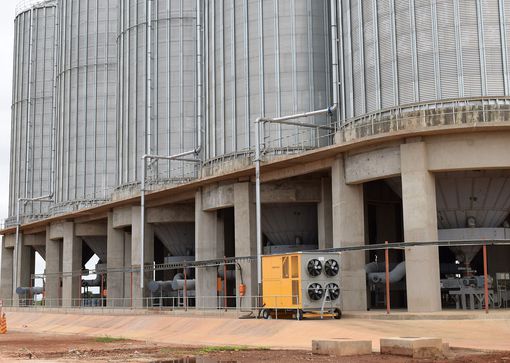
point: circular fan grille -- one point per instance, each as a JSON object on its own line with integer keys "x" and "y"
{"x": 331, "y": 268}
{"x": 334, "y": 291}
{"x": 315, "y": 291}
{"x": 314, "y": 267}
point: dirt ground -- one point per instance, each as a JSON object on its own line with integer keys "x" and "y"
{"x": 59, "y": 348}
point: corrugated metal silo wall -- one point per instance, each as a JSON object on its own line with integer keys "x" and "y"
{"x": 399, "y": 52}
{"x": 264, "y": 58}
{"x": 32, "y": 108}
{"x": 171, "y": 96}
{"x": 87, "y": 85}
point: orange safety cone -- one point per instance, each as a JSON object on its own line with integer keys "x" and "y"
{"x": 3, "y": 324}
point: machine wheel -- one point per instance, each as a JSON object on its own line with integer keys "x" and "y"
{"x": 338, "y": 314}
{"x": 266, "y": 314}
{"x": 299, "y": 314}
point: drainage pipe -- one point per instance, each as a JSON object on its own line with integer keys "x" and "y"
{"x": 286, "y": 120}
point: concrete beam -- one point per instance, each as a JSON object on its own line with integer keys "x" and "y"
{"x": 217, "y": 196}
{"x": 54, "y": 256}
{"x": 92, "y": 217}
{"x": 171, "y": 214}
{"x": 71, "y": 266}
{"x": 245, "y": 241}
{"x": 188, "y": 196}
{"x": 9, "y": 240}
{"x": 372, "y": 165}
{"x": 122, "y": 217}
{"x": 297, "y": 170}
{"x": 56, "y": 230}
{"x": 349, "y": 230}
{"x": 420, "y": 224}
{"x": 34, "y": 239}
{"x": 91, "y": 229}
{"x": 292, "y": 191}
{"x": 469, "y": 151}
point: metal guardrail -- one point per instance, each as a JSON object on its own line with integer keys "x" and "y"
{"x": 29, "y": 4}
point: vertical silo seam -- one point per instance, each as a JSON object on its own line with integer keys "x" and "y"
{"x": 481, "y": 42}
{"x": 341, "y": 58}
{"x": 376, "y": 54}
{"x": 29, "y": 100}
{"x": 435, "y": 46}
{"x": 247, "y": 71}
{"x": 277, "y": 69}
{"x": 222, "y": 120}
{"x": 311, "y": 88}
{"x": 234, "y": 79}
{"x": 168, "y": 85}
{"x": 504, "y": 42}
{"x": 85, "y": 94}
{"x": 394, "y": 46}
{"x": 261, "y": 58}
{"x": 328, "y": 50}
{"x": 350, "y": 59}
{"x": 362, "y": 65}
{"x": 414, "y": 51}
{"x": 458, "y": 48}
{"x": 213, "y": 81}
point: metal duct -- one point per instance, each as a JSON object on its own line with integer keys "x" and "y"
{"x": 396, "y": 274}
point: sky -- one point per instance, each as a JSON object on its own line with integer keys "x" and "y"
{"x": 7, "y": 13}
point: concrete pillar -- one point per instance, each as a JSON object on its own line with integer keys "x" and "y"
{"x": 148, "y": 244}
{"x": 7, "y": 264}
{"x": 245, "y": 241}
{"x": 420, "y": 224}
{"x": 71, "y": 267}
{"x": 115, "y": 252}
{"x": 349, "y": 230}
{"x": 209, "y": 244}
{"x": 128, "y": 276}
{"x": 324, "y": 215}
{"x": 53, "y": 270}
{"x": 24, "y": 270}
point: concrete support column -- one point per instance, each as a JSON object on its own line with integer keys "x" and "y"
{"x": 209, "y": 244}
{"x": 349, "y": 230}
{"x": 115, "y": 252}
{"x": 7, "y": 264}
{"x": 128, "y": 277}
{"x": 245, "y": 241}
{"x": 53, "y": 270}
{"x": 420, "y": 224}
{"x": 148, "y": 244}
{"x": 71, "y": 266}
{"x": 324, "y": 215}
{"x": 24, "y": 269}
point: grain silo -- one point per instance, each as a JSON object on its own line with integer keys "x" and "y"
{"x": 157, "y": 88}
{"x": 265, "y": 58}
{"x": 87, "y": 84}
{"x": 33, "y": 113}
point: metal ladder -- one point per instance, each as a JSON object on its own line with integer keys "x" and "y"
{"x": 327, "y": 298}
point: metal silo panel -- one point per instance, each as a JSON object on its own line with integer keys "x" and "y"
{"x": 406, "y": 52}
{"x": 387, "y": 56}
{"x": 447, "y": 42}
{"x": 470, "y": 50}
{"x": 493, "y": 47}
{"x": 424, "y": 37}
{"x": 87, "y": 83}
{"x": 171, "y": 96}
{"x": 264, "y": 57}
{"x": 32, "y": 108}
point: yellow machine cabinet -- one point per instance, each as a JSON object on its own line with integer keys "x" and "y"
{"x": 301, "y": 282}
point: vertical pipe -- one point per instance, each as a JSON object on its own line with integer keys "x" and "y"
{"x": 131, "y": 289}
{"x": 185, "y": 290}
{"x": 225, "y": 282}
{"x": 258, "y": 208}
{"x": 387, "y": 266}
{"x": 334, "y": 54}
{"x": 485, "y": 278}
{"x": 142, "y": 221}
{"x": 102, "y": 290}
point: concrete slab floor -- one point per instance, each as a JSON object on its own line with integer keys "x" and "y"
{"x": 481, "y": 334}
